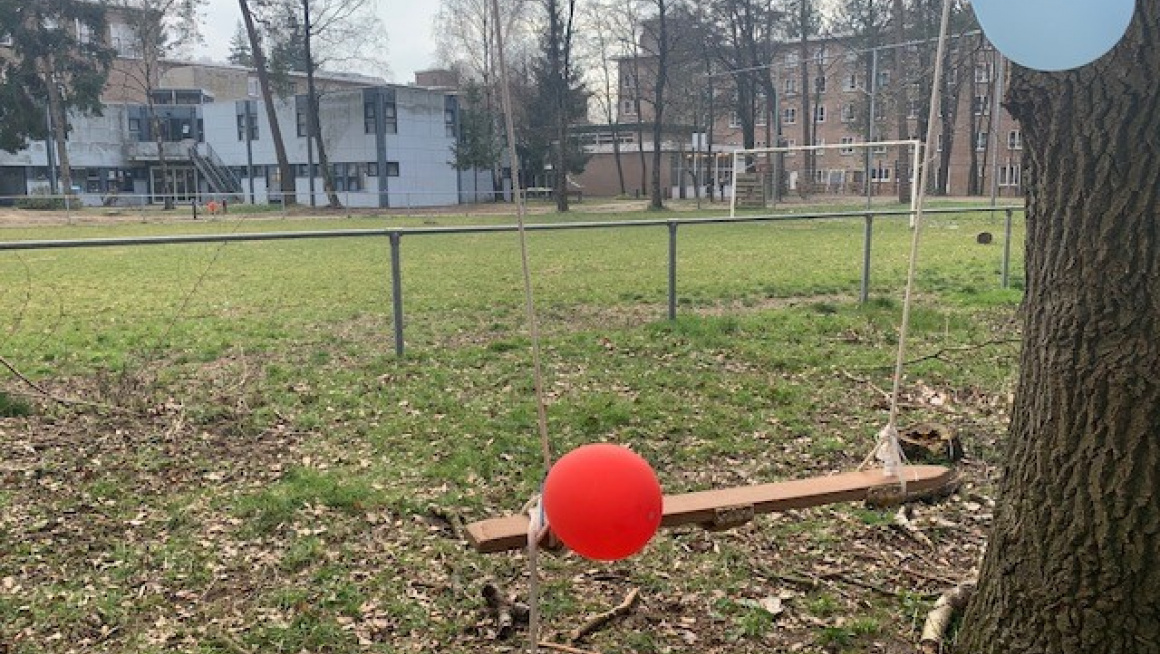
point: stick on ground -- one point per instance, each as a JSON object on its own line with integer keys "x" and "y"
{"x": 939, "y": 619}
{"x": 597, "y": 622}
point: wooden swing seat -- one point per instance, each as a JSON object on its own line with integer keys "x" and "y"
{"x": 729, "y": 507}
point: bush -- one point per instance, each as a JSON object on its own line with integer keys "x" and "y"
{"x": 45, "y": 202}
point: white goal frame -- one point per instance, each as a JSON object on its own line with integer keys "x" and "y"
{"x": 916, "y": 145}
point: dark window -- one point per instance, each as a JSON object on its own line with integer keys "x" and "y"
{"x": 301, "y": 116}
{"x": 373, "y": 169}
{"x": 369, "y": 117}
{"x": 392, "y": 169}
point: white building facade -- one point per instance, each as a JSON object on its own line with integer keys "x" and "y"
{"x": 388, "y": 146}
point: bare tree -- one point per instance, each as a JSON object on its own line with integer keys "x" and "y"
{"x": 601, "y": 38}
{"x": 285, "y": 172}
{"x": 466, "y": 43}
{"x": 157, "y": 30}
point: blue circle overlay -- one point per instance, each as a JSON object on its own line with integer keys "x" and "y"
{"x": 1053, "y": 35}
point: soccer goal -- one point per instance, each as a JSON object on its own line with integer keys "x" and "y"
{"x": 839, "y": 172}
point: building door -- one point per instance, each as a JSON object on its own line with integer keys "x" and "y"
{"x": 182, "y": 184}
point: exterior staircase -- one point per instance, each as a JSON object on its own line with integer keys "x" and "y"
{"x": 218, "y": 176}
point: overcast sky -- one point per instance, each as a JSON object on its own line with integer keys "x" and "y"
{"x": 408, "y": 24}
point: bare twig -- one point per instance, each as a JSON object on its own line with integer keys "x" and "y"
{"x": 563, "y": 648}
{"x": 903, "y": 524}
{"x": 49, "y": 394}
{"x": 939, "y": 619}
{"x": 598, "y": 621}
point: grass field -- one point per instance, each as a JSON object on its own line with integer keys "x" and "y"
{"x": 263, "y": 475}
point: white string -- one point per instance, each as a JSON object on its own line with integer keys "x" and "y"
{"x": 537, "y": 526}
{"x": 889, "y": 451}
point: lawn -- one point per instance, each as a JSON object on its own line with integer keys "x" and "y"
{"x": 252, "y": 469}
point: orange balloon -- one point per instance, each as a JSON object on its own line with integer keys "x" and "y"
{"x": 603, "y": 501}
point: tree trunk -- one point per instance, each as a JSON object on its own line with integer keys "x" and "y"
{"x": 656, "y": 197}
{"x": 312, "y": 106}
{"x": 1073, "y": 565}
{"x": 286, "y": 174}
{"x": 59, "y": 130}
{"x": 804, "y": 185}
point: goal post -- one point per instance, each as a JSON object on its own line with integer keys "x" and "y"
{"x": 768, "y": 176}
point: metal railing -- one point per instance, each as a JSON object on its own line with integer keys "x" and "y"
{"x": 395, "y": 237}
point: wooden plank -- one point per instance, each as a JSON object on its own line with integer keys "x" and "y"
{"x": 704, "y": 507}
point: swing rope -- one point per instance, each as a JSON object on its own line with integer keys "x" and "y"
{"x": 888, "y": 451}
{"x": 537, "y": 525}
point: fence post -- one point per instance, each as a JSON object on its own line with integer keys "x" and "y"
{"x": 397, "y": 291}
{"x": 672, "y": 270}
{"x": 868, "y": 235}
{"x": 1007, "y": 251}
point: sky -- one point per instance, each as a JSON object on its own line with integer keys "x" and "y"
{"x": 410, "y": 43}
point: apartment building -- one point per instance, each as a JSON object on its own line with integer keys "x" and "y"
{"x": 978, "y": 146}
{"x": 388, "y": 145}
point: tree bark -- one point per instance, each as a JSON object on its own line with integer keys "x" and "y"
{"x": 656, "y": 197}
{"x": 284, "y": 170}
{"x": 1073, "y": 565}
{"x": 59, "y": 128}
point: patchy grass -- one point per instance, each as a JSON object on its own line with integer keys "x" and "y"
{"x": 265, "y": 475}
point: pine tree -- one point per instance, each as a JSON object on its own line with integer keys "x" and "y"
{"x": 240, "y": 52}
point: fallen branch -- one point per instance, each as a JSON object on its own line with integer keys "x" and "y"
{"x": 903, "y": 524}
{"x": 47, "y": 393}
{"x": 599, "y": 621}
{"x": 939, "y": 619}
{"x": 506, "y": 612}
{"x": 547, "y": 644}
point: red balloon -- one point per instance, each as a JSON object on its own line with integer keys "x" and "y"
{"x": 603, "y": 501}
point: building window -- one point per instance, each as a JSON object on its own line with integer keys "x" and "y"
{"x": 791, "y": 86}
{"x": 880, "y": 174}
{"x": 847, "y": 140}
{"x": 1010, "y": 175}
{"x": 982, "y": 105}
{"x": 135, "y": 126}
{"x": 392, "y": 169}
{"x": 1015, "y": 140}
{"x": 734, "y": 119}
{"x": 450, "y": 117}
{"x": 369, "y": 119}
{"x": 792, "y": 60}
{"x": 791, "y": 143}
{"x": 980, "y": 141}
{"x": 629, "y": 107}
{"x": 883, "y": 79}
{"x": 789, "y": 115}
{"x": 850, "y": 82}
{"x": 253, "y": 87}
{"x": 373, "y": 169}
{"x": 820, "y": 113}
{"x": 878, "y": 149}
{"x": 390, "y": 114}
{"x": 982, "y": 73}
{"x": 848, "y": 114}
{"x": 912, "y": 108}
{"x": 820, "y": 55}
{"x": 300, "y": 117}
{"x": 820, "y": 84}
{"x": 819, "y": 143}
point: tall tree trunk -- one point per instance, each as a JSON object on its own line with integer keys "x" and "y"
{"x": 312, "y": 104}
{"x": 1073, "y": 564}
{"x": 902, "y": 163}
{"x": 804, "y": 185}
{"x": 59, "y": 128}
{"x": 284, "y": 171}
{"x": 656, "y": 197}
{"x": 162, "y": 163}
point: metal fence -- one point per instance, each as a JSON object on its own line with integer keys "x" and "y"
{"x": 395, "y": 237}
